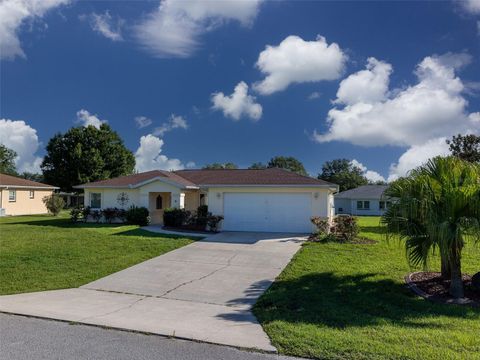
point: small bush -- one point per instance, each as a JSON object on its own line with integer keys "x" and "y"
{"x": 96, "y": 215}
{"x": 75, "y": 214}
{"x": 54, "y": 204}
{"x": 213, "y": 222}
{"x": 202, "y": 217}
{"x": 86, "y": 211}
{"x": 173, "y": 217}
{"x": 110, "y": 214}
{"x": 137, "y": 216}
{"x": 345, "y": 227}
{"x": 322, "y": 224}
{"x": 122, "y": 215}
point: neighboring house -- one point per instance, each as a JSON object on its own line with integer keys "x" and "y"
{"x": 250, "y": 200}
{"x": 22, "y": 197}
{"x": 364, "y": 200}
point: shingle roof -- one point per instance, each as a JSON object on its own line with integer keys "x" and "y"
{"x": 136, "y": 179}
{"x": 271, "y": 176}
{"x": 363, "y": 192}
{"x": 240, "y": 177}
{"x": 9, "y": 180}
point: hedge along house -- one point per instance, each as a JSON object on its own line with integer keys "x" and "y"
{"x": 22, "y": 197}
{"x": 364, "y": 200}
{"x": 250, "y": 200}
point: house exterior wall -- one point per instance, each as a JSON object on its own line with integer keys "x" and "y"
{"x": 23, "y": 205}
{"x": 109, "y": 197}
{"x": 350, "y": 207}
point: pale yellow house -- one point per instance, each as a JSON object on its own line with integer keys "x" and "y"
{"x": 22, "y": 197}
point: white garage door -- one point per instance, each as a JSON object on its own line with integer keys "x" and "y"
{"x": 277, "y": 212}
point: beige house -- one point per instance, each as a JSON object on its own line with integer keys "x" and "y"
{"x": 250, "y": 200}
{"x": 22, "y": 197}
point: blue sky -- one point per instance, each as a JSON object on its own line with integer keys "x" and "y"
{"x": 383, "y": 83}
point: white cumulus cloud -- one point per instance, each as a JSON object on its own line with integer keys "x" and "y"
{"x": 472, "y": 6}
{"x": 371, "y": 175}
{"x": 86, "y": 119}
{"x": 106, "y": 25}
{"x": 23, "y": 139}
{"x": 418, "y": 155}
{"x": 149, "y": 156}
{"x": 295, "y": 60}
{"x": 238, "y": 104}
{"x": 372, "y": 115}
{"x": 176, "y": 27}
{"x": 14, "y": 14}
{"x": 174, "y": 122}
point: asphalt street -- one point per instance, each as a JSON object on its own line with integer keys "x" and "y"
{"x": 32, "y": 338}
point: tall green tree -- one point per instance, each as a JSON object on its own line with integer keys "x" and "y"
{"x": 257, "y": 166}
{"x": 288, "y": 163}
{"x": 32, "y": 176}
{"x": 466, "y": 147}
{"x": 343, "y": 173}
{"x": 7, "y": 160}
{"x": 219, "y": 166}
{"x": 85, "y": 154}
{"x": 436, "y": 207}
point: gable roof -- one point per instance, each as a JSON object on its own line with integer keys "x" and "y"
{"x": 269, "y": 176}
{"x": 135, "y": 180}
{"x": 16, "y": 182}
{"x": 363, "y": 192}
{"x": 213, "y": 177}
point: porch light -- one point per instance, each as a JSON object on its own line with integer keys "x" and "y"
{"x": 315, "y": 195}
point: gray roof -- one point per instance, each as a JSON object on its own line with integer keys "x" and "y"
{"x": 363, "y": 192}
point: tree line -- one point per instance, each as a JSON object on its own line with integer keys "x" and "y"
{"x": 86, "y": 154}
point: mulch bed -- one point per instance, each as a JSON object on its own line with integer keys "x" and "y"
{"x": 432, "y": 286}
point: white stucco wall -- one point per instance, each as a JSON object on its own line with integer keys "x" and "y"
{"x": 109, "y": 197}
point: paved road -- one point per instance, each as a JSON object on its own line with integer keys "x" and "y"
{"x": 29, "y": 338}
{"x": 203, "y": 291}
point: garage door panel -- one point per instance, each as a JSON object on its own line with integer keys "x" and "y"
{"x": 281, "y": 212}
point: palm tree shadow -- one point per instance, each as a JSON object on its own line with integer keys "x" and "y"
{"x": 340, "y": 302}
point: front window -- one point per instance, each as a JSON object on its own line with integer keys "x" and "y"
{"x": 95, "y": 200}
{"x": 12, "y": 195}
{"x": 381, "y": 205}
{"x": 363, "y": 205}
{"x": 31, "y": 195}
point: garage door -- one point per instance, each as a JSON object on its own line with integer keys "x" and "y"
{"x": 277, "y": 212}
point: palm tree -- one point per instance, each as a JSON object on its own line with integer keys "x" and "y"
{"x": 435, "y": 207}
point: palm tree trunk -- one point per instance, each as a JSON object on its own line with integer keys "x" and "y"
{"x": 456, "y": 284}
{"x": 445, "y": 268}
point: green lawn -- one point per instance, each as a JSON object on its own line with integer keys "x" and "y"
{"x": 43, "y": 253}
{"x": 344, "y": 301}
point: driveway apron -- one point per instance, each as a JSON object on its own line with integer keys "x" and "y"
{"x": 203, "y": 291}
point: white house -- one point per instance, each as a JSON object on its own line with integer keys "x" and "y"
{"x": 250, "y": 200}
{"x": 364, "y": 200}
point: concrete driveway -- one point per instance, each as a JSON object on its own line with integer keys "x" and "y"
{"x": 203, "y": 291}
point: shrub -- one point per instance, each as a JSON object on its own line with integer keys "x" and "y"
{"x": 86, "y": 211}
{"x": 173, "y": 217}
{"x": 110, "y": 214}
{"x": 137, "y": 216}
{"x": 202, "y": 216}
{"x": 346, "y": 227}
{"x": 75, "y": 214}
{"x": 322, "y": 224}
{"x": 96, "y": 215}
{"x": 122, "y": 215}
{"x": 54, "y": 204}
{"x": 213, "y": 221}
